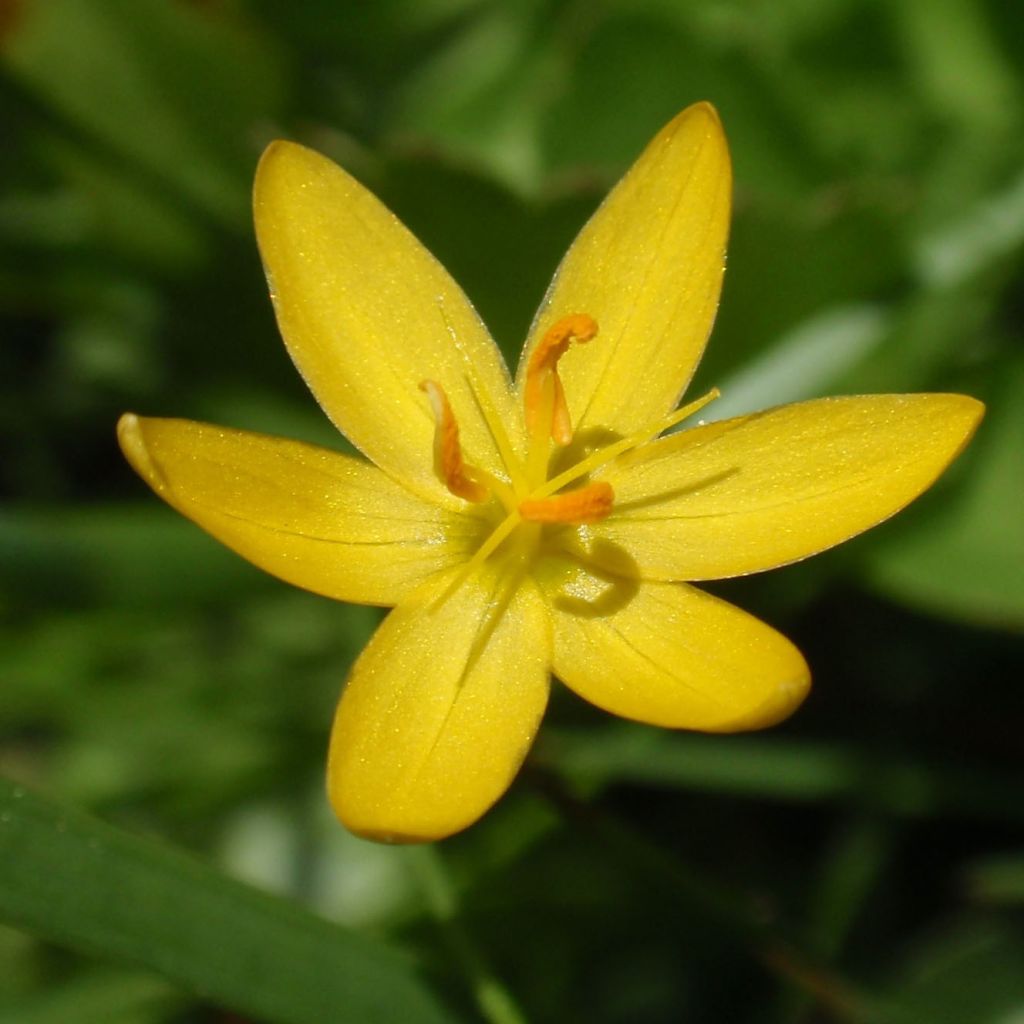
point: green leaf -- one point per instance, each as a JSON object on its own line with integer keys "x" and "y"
{"x": 481, "y": 96}
{"x": 781, "y": 769}
{"x": 966, "y": 558}
{"x": 998, "y": 879}
{"x": 175, "y": 93}
{"x": 955, "y": 57}
{"x": 110, "y": 555}
{"x": 85, "y": 884}
{"x": 969, "y": 973}
{"x": 95, "y": 997}
{"x": 984, "y": 235}
{"x": 805, "y": 362}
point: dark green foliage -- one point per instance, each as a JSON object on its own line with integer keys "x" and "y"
{"x": 863, "y": 862}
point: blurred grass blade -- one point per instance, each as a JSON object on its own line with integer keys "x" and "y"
{"x": 106, "y": 555}
{"x": 805, "y": 362}
{"x": 987, "y": 234}
{"x": 169, "y": 92}
{"x": 998, "y": 879}
{"x": 965, "y": 558}
{"x": 84, "y": 884}
{"x": 802, "y": 771}
{"x": 96, "y": 997}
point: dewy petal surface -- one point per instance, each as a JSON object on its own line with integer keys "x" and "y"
{"x": 440, "y": 710}
{"x": 648, "y": 268}
{"x": 762, "y": 490}
{"x": 367, "y": 313}
{"x": 671, "y": 655}
{"x": 321, "y": 520}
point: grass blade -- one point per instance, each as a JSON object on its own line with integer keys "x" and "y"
{"x": 82, "y": 883}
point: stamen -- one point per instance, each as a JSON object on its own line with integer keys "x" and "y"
{"x": 589, "y": 504}
{"x": 462, "y": 480}
{"x": 547, "y": 413}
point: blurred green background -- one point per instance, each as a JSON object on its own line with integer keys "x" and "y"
{"x": 164, "y": 707}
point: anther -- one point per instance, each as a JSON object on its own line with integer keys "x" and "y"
{"x": 547, "y": 413}
{"x": 463, "y": 481}
{"x": 589, "y": 504}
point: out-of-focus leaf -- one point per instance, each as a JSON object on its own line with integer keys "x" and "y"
{"x": 968, "y": 974}
{"x": 966, "y": 558}
{"x": 481, "y": 95}
{"x": 853, "y": 864}
{"x": 128, "y": 689}
{"x": 501, "y": 249}
{"x": 957, "y": 62}
{"x": 789, "y": 267}
{"x": 19, "y": 964}
{"x": 96, "y": 997}
{"x": 998, "y": 879}
{"x": 781, "y": 769}
{"x": 989, "y": 231}
{"x": 934, "y": 334}
{"x": 122, "y": 218}
{"x": 146, "y": 672}
{"x": 176, "y": 90}
{"x": 805, "y": 362}
{"x": 114, "y": 555}
{"x": 625, "y": 74}
{"x": 369, "y": 37}
{"x": 355, "y": 883}
{"x": 85, "y": 884}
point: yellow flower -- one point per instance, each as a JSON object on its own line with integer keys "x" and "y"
{"x": 537, "y": 526}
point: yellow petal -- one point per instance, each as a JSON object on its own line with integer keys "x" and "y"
{"x": 670, "y": 654}
{"x": 321, "y": 520}
{"x": 367, "y": 313}
{"x": 773, "y": 487}
{"x": 648, "y": 268}
{"x": 439, "y": 711}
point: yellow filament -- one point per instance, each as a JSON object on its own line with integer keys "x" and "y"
{"x": 605, "y": 455}
{"x": 496, "y": 427}
{"x": 482, "y": 553}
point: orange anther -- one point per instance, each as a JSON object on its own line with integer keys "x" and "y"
{"x": 460, "y": 479}
{"x": 589, "y": 504}
{"x": 543, "y": 386}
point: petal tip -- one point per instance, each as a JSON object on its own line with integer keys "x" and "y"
{"x": 961, "y": 416}
{"x": 971, "y": 413}
{"x": 972, "y": 409}
{"x": 279, "y": 167}
{"x": 131, "y": 438}
{"x": 778, "y": 704}
{"x": 276, "y": 150}
{"x": 789, "y": 695}
{"x": 699, "y": 116}
{"x": 386, "y": 834}
{"x": 393, "y": 825}
{"x": 128, "y": 421}
{"x": 705, "y": 109}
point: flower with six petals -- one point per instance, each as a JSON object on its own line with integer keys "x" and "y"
{"x": 544, "y": 525}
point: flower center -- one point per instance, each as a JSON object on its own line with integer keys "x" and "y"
{"x": 547, "y": 420}
{"x": 531, "y": 497}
